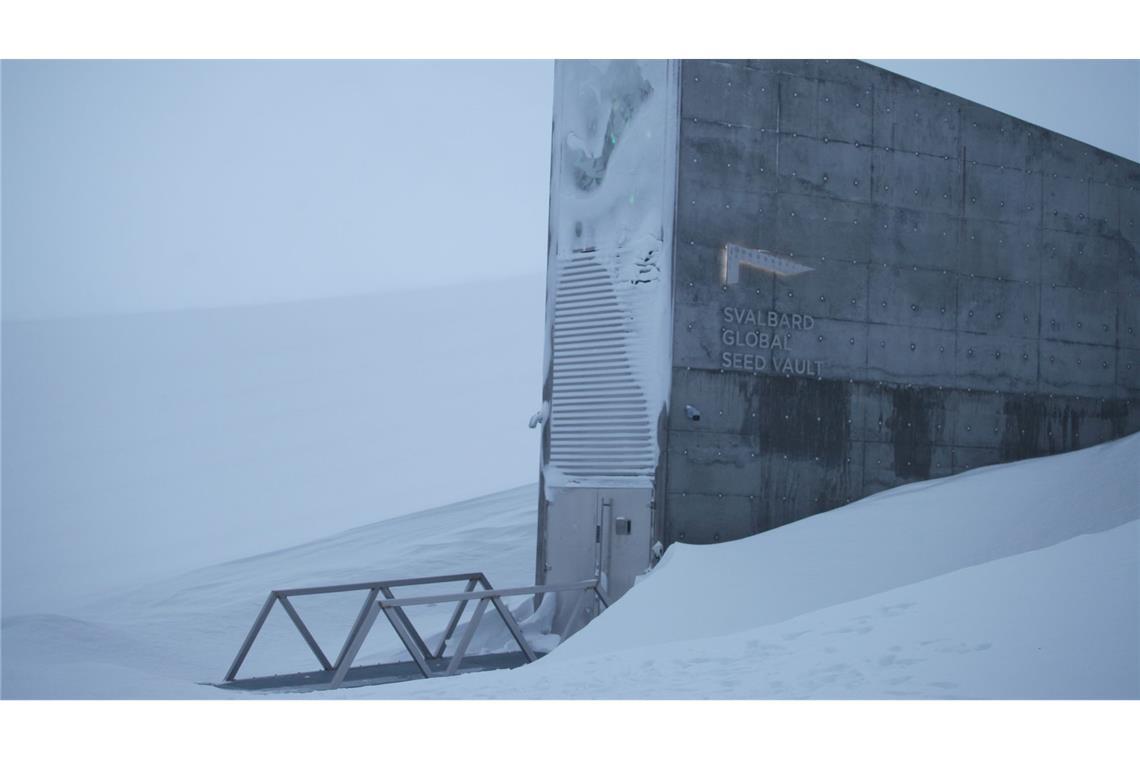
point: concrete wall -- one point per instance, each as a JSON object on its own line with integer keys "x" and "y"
{"x": 973, "y": 293}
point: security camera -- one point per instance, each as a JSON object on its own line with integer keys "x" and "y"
{"x": 692, "y": 413}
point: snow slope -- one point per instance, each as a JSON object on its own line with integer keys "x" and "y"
{"x": 896, "y": 538}
{"x": 1012, "y": 581}
{"x": 137, "y": 446}
{"x": 1058, "y": 622}
{"x": 162, "y": 639}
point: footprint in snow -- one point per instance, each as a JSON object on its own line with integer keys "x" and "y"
{"x": 893, "y": 610}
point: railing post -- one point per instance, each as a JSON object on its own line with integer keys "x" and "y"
{"x": 411, "y": 644}
{"x": 450, "y": 629}
{"x": 259, "y": 621}
{"x": 513, "y": 627}
{"x": 352, "y": 646}
{"x": 308, "y": 637}
{"x": 465, "y": 639}
{"x": 360, "y": 617}
{"x": 407, "y": 623}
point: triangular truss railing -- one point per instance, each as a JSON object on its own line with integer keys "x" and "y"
{"x": 380, "y": 599}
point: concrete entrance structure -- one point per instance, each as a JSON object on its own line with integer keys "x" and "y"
{"x": 776, "y": 287}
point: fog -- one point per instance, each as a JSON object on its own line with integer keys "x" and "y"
{"x": 247, "y": 304}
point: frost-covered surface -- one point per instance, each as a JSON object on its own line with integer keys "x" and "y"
{"x": 1013, "y": 581}
{"x": 610, "y": 131}
{"x": 611, "y": 206}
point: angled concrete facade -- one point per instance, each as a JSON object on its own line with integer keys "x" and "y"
{"x": 869, "y": 282}
{"x": 973, "y": 292}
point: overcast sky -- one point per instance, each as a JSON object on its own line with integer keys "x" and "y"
{"x": 134, "y": 186}
{"x": 142, "y": 446}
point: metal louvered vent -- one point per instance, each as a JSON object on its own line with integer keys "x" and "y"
{"x": 600, "y": 422}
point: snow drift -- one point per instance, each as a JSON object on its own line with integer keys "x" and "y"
{"x": 1012, "y": 581}
{"x": 899, "y": 537}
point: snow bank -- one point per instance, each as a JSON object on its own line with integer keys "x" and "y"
{"x": 1013, "y": 581}
{"x": 885, "y": 541}
{"x": 1055, "y": 623}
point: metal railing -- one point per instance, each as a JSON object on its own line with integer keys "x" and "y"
{"x": 380, "y": 599}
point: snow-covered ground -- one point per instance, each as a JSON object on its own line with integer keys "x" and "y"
{"x": 1013, "y": 581}
{"x": 162, "y": 639}
{"x": 137, "y": 446}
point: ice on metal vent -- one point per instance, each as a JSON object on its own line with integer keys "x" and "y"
{"x": 600, "y": 422}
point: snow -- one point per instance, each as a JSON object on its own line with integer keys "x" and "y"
{"x": 612, "y": 201}
{"x": 139, "y": 446}
{"x": 610, "y": 120}
{"x": 1054, "y": 623}
{"x": 1012, "y": 581}
{"x": 185, "y": 630}
{"x": 899, "y": 537}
